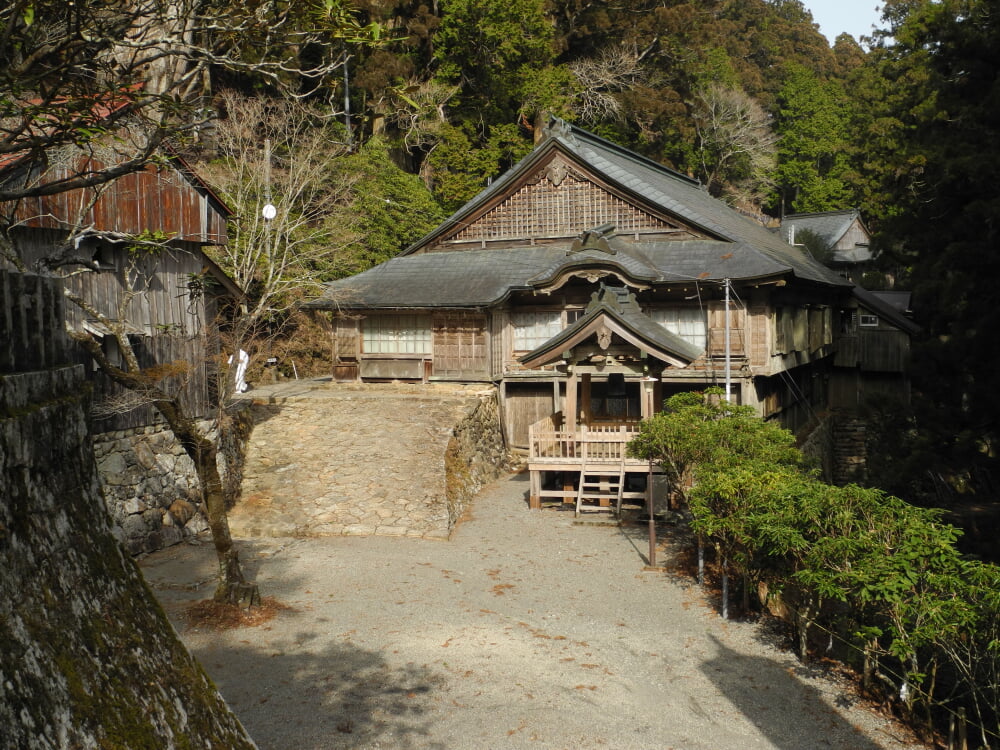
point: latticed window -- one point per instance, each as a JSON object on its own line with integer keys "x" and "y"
{"x": 687, "y": 322}
{"x": 532, "y": 329}
{"x": 397, "y": 334}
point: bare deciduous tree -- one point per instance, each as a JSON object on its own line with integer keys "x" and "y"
{"x": 603, "y": 77}
{"x": 736, "y": 145}
{"x": 275, "y": 171}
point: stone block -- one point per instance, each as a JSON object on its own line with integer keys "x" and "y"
{"x": 113, "y": 464}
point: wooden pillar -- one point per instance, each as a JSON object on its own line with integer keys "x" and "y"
{"x": 585, "y": 401}
{"x": 646, "y": 399}
{"x": 556, "y": 399}
{"x": 569, "y": 418}
{"x": 535, "y": 490}
{"x": 502, "y": 410}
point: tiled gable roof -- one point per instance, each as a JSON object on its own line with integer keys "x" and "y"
{"x": 733, "y": 246}
{"x": 829, "y": 225}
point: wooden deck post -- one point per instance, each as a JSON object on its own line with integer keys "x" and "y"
{"x": 585, "y": 400}
{"x": 535, "y": 490}
{"x": 571, "y": 407}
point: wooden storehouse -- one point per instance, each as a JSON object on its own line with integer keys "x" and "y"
{"x": 845, "y": 237}
{"x": 173, "y": 295}
{"x": 590, "y": 284}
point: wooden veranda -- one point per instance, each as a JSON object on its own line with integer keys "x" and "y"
{"x": 588, "y": 467}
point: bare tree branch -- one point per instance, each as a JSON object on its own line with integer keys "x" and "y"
{"x": 736, "y": 145}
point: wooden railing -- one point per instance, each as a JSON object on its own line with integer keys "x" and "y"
{"x": 598, "y": 442}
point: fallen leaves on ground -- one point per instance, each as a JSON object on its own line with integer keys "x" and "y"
{"x": 213, "y": 615}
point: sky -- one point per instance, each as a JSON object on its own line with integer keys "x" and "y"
{"x": 856, "y": 17}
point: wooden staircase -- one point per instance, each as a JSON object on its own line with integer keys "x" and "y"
{"x": 601, "y": 483}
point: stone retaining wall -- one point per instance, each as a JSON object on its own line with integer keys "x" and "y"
{"x": 476, "y": 455}
{"x": 87, "y": 657}
{"x": 838, "y": 442}
{"x": 332, "y": 459}
{"x": 850, "y": 451}
{"x": 151, "y": 486}
{"x": 819, "y": 445}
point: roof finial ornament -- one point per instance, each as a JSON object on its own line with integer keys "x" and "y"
{"x": 558, "y": 128}
{"x": 595, "y": 239}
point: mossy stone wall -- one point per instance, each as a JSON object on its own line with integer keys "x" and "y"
{"x": 475, "y": 456}
{"x": 87, "y": 657}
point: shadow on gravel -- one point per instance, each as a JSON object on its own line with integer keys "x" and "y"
{"x": 340, "y": 697}
{"x": 790, "y": 713}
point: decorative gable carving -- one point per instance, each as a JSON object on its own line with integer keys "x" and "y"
{"x": 559, "y": 200}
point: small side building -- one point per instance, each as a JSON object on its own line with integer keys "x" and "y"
{"x": 873, "y": 350}
{"x": 170, "y": 298}
{"x": 846, "y": 241}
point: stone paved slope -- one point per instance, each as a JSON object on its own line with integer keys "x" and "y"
{"x": 331, "y": 459}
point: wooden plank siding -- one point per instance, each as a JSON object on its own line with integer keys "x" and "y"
{"x": 499, "y": 342}
{"x": 156, "y": 199}
{"x": 854, "y": 236}
{"x": 460, "y": 346}
{"x": 163, "y": 301}
{"x": 717, "y": 331}
{"x": 759, "y": 327}
{"x": 875, "y": 350}
{"x": 195, "y": 360}
{"x": 346, "y": 339}
{"x": 524, "y": 405}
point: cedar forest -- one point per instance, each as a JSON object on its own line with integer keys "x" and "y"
{"x": 366, "y": 123}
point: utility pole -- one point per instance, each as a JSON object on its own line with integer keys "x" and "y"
{"x": 729, "y": 370}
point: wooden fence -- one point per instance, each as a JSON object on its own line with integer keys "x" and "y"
{"x": 598, "y": 442}
{"x": 32, "y": 327}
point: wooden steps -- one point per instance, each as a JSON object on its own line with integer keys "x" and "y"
{"x": 601, "y": 484}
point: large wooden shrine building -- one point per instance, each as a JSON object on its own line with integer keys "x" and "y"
{"x": 589, "y": 284}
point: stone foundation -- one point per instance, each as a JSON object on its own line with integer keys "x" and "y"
{"x": 850, "y": 451}
{"x": 838, "y": 442}
{"x": 150, "y": 484}
{"x": 150, "y": 487}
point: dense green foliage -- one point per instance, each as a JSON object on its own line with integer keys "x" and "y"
{"x": 745, "y": 95}
{"x": 881, "y": 577}
{"x": 390, "y": 207}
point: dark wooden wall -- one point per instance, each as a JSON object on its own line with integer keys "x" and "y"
{"x": 157, "y": 199}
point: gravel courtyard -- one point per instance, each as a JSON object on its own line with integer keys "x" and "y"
{"x": 524, "y": 630}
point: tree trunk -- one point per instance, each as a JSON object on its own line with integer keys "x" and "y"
{"x": 805, "y": 620}
{"x": 232, "y": 586}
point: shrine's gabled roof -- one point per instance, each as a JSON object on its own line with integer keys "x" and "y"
{"x": 616, "y": 311}
{"x": 718, "y": 243}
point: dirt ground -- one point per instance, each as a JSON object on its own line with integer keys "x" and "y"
{"x": 525, "y": 630}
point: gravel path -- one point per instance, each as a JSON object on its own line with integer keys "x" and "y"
{"x": 524, "y": 630}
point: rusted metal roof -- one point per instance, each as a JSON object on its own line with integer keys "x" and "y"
{"x": 158, "y": 198}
